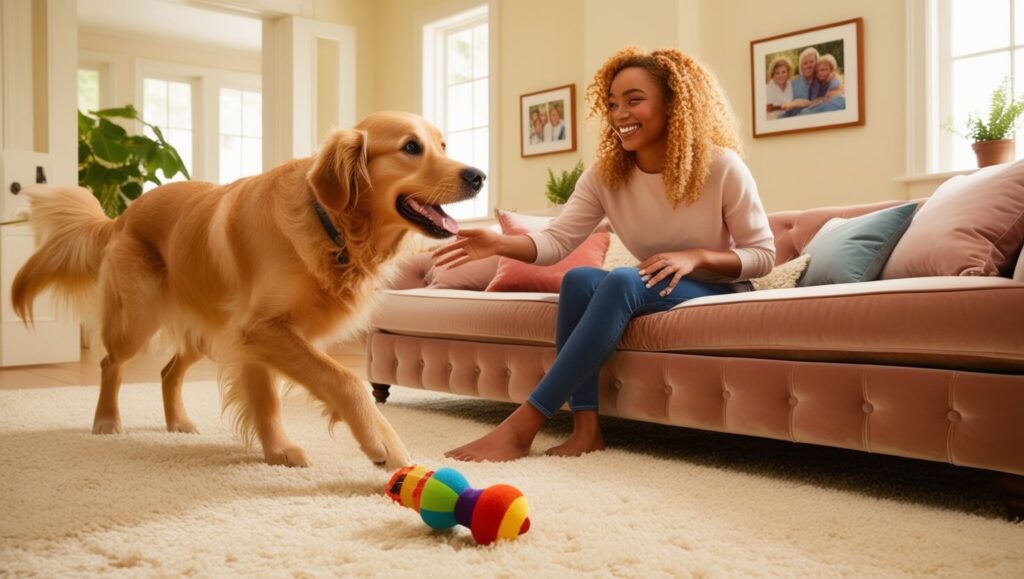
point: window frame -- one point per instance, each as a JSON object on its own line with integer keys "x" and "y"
{"x": 206, "y": 84}
{"x": 434, "y": 26}
{"x": 929, "y": 85}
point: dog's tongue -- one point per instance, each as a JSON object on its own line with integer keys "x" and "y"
{"x": 438, "y": 217}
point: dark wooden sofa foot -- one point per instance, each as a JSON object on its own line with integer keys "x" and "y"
{"x": 1011, "y": 492}
{"x": 381, "y": 392}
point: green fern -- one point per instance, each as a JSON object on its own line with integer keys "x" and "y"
{"x": 560, "y": 188}
{"x": 1003, "y": 114}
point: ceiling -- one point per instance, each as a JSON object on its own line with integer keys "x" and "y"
{"x": 172, "y": 20}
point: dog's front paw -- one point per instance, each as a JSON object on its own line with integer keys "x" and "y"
{"x": 106, "y": 426}
{"x": 185, "y": 426}
{"x": 288, "y": 456}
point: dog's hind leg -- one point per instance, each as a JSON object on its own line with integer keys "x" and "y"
{"x": 130, "y": 287}
{"x": 344, "y": 394}
{"x": 171, "y": 378}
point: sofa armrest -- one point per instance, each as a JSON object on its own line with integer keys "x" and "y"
{"x": 412, "y": 271}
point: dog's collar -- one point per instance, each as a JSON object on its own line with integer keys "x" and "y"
{"x": 332, "y": 232}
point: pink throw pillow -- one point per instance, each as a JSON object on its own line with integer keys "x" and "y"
{"x": 516, "y": 276}
{"x": 474, "y": 275}
{"x": 972, "y": 225}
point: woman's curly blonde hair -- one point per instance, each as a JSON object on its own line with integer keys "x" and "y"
{"x": 698, "y": 117}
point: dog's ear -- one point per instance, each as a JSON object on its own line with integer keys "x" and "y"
{"x": 339, "y": 171}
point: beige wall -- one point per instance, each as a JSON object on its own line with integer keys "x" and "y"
{"x": 358, "y": 14}
{"x": 829, "y": 167}
{"x": 840, "y": 166}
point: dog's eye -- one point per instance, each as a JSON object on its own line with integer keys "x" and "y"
{"x": 413, "y": 148}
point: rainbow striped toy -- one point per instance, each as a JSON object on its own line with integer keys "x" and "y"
{"x": 443, "y": 498}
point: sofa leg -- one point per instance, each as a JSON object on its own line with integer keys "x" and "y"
{"x": 1011, "y": 492}
{"x": 381, "y": 392}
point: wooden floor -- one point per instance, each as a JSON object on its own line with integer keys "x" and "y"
{"x": 143, "y": 368}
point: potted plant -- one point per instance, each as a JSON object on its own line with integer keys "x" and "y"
{"x": 993, "y": 136}
{"x": 560, "y": 188}
{"x": 114, "y": 164}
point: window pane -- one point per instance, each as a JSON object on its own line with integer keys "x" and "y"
{"x": 972, "y": 84}
{"x": 460, "y": 107}
{"x": 88, "y": 89}
{"x": 252, "y": 114}
{"x": 230, "y": 112}
{"x": 460, "y": 56}
{"x": 179, "y": 105}
{"x": 230, "y": 158}
{"x": 480, "y": 137}
{"x": 480, "y": 102}
{"x": 252, "y": 157}
{"x": 480, "y": 51}
{"x": 1019, "y": 86}
{"x": 976, "y": 25}
{"x": 1018, "y": 12}
{"x": 460, "y": 146}
{"x": 154, "y": 101}
{"x": 181, "y": 140}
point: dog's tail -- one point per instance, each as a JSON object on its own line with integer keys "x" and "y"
{"x": 72, "y": 231}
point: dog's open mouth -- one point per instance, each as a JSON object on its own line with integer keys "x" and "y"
{"x": 431, "y": 219}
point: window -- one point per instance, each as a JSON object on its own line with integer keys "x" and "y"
{"x": 985, "y": 46}
{"x": 967, "y": 48}
{"x": 241, "y": 142}
{"x": 212, "y": 117}
{"x": 168, "y": 105}
{"x": 456, "y": 95}
{"x": 88, "y": 89}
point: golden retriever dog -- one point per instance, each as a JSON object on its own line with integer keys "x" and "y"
{"x": 253, "y": 273}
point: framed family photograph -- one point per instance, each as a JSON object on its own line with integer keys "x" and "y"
{"x": 547, "y": 121}
{"x": 808, "y": 80}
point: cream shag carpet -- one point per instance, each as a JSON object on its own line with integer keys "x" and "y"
{"x": 662, "y": 502}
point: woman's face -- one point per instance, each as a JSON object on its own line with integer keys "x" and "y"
{"x": 781, "y": 74}
{"x": 538, "y": 126}
{"x": 824, "y": 71}
{"x": 636, "y": 109}
{"x": 556, "y": 117}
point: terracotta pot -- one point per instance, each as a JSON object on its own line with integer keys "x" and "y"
{"x": 993, "y": 152}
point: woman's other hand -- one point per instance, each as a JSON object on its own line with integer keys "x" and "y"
{"x": 470, "y": 245}
{"x": 674, "y": 263}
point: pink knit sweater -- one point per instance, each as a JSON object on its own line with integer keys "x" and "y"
{"x": 728, "y": 216}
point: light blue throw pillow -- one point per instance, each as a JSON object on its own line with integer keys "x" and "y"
{"x": 855, "y": 249}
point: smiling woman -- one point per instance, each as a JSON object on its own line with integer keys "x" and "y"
{"x": 669, "y": 178}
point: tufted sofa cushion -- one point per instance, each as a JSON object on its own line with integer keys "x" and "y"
{"x": 885, "y": 322}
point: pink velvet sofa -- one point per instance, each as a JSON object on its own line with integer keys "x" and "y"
{"x": 929, "y": 367}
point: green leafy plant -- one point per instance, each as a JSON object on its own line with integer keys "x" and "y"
{"x": 560, "y": 188}
{"x": 1003, "y": 113}
{"x": 114, "y": 164}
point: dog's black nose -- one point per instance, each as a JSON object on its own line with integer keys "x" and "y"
{"x": 473, "y": 177}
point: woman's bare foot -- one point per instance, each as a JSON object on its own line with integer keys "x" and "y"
{"x": 586, "y": 436}
{"x": 508, "y": 441}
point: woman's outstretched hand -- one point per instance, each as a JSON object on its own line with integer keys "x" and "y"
{"x": 674, "y": 263}
{"x": 470, "y": 245}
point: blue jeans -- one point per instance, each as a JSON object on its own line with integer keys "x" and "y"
{"x": 594, "y": 307}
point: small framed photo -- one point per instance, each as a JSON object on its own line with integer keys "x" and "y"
{"x": 808, "y": 80}
{"x": 547, "y": 121}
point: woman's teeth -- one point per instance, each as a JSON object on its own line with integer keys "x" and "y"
{"x": 627, "y": 130}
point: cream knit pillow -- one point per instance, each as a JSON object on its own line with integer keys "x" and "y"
{"x": 618, "y": 255}
{"x": 783, "y": 276}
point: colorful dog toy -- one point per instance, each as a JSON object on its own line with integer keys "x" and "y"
{"x": 443, "y": 498}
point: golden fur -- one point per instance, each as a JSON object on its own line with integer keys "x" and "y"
{"x": 699, "y": 121}
{"x": 246, "y": 274}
